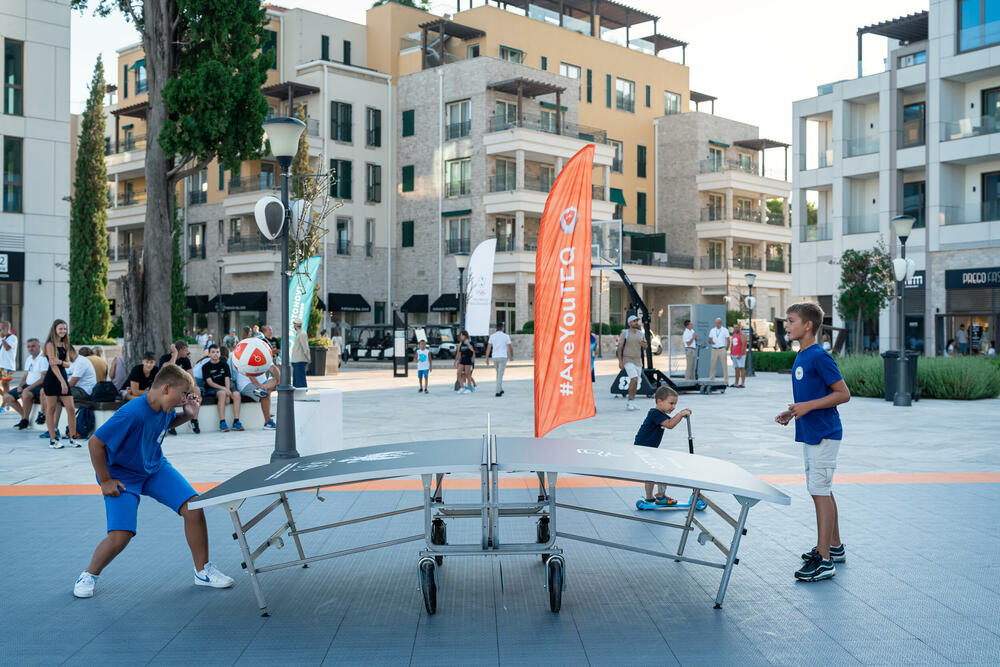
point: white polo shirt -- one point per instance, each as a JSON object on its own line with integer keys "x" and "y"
{"x": 34, "y": 369}
{"x": 83, "y": 369}
{"x": 8, "y": 358}
{"x": 688, "y": 337}
{"x": 499, "y": 340}
{"x": 718, "y": 336}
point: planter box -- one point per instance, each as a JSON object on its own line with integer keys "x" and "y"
{"x": 333, "y": 360}
{"x": 317, "y": 361}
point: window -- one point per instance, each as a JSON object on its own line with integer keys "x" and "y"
{"x": 408, "y": 123}
{"x": 235, "y": 225}
{"x": 373, "y": 183}
{"x": 347, "y": 52}
{"x": 640, "y": 208}
{"x": 340, "y": 121}
{"x": 407, "y": 235}
{"x": 912, "y": 59}
{"x": 196, "y": 241}
{"x": 198, "y": 187}
{"x": 459, "y": 118}
{"x": 222, "y": 178}
{"x": 343, "y": 236}
{"x": 124, "y": 81}
{"x": 270, "y": 48}
{"x": 511, "y": 54}
{"x": 616, "y": 162}
{"x": 369, "y": 237}
{"x": 547, "y": 177}
{"x": 505, "y": 115}
{"x": 373, "y": 127}
{"x": 128, "y": 137}
{"x": 913, "y": 125}
{"x": 571, "y": 72}
{"x": 13, "y": 77}
{"x": 671, "y": 103}
{"x": 746, "y": 162}
{"x": 458, "y": 176}
{"x": 715, "y": 159}
{"x": 640, "y": 161}
{"x": 716, "y": 207}
{"x": 266, "y": 179}
{"x": 458, "y": 235}
{"x": 324, "y": 47}
{"x": 625, "y": 95}
{"x": 505, "y": 178}
{"x": 13, "y": 165}
{"x": 716, "y": 255}
{"x": 545, "y": 63}
{"x": 647, "y": 96}
{"x": 590, "y": 86}
{"x": 222, "y": 232}
{"x": 742, "y": 254}
{"x": 548, "y": 122}
{"x": 340, "y": 179}
{"x": 140, "y": 76}
{"x": 472, "y": 51}
{"x": 408, "y": 178}
{"x": 914, "y": 202}
{"x": 607, "y": 90}
{"x": 978, "y": 23}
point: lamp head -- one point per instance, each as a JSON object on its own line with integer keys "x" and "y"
{"x": 283, "y": 134}
{"x": 899, "y": 269}
{"x": 220, "y": 262}
{"x": 461, "y": 260}
{"x": 751, "y": 278}
{"x": 903, "y": 224}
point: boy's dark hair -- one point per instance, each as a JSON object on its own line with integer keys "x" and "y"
{"x": 687, "y": 322}
{"x": 149, "y": 355}
{"x": 213, "y": 346}
{"x": 809, "y": 312}
{"x": 83, "y": 351}
{"x": 663, "y": 393}
{"x": 181, "y": 344}
{"x": 175, "y": 376}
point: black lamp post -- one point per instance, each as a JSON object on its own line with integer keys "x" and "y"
{"x": 283, "y": 135}
{"x": 219, "y": 308}
{"x": 751, "y": 278}
{"x": 903, "y": 224}
{"x": 462, "y": 262}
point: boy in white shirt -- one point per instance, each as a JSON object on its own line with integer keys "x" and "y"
{"x": 422, "y": 355}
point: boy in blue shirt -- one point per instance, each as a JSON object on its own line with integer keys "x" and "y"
{"x": 651, "y": 433}
{"x": 818, "y": 388}
{"x": 126, "y": 455}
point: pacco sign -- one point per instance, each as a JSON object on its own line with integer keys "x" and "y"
{"x": 972, "y": 278}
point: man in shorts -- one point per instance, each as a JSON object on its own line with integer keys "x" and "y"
{"x": 21, "y": 398}
{"x": 631, "y": 344}
{"x": 258, "y": 388}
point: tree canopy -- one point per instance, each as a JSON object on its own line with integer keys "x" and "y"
{"x": 866, "y": 285}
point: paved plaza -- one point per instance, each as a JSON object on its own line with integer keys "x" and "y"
{"x": 918, "y": 493}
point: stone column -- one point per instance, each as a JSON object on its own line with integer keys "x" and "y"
{"x": 763, "y": 255}
{"x": 522, "y": 313}
{"x": 763, "y": 208}
{"x": 729, "y": 203}
{"x": 606, "y": 175}
{"x": 784, "y": 212}
{"x": 560, "y": 163}
{"x": 519, "y": 231}
{"x": 519, "y": 171}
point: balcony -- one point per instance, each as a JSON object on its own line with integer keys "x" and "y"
{"x": 133, "y": 198}
{"x": 751, "y": 215}
{"x": 969, "y": 127}
{"x": 649, "y": 258}
{"x": 547, "y": 124}
{"x": 458, "y": 129}
{"x": 255, "y": 182}
{"x": 712, "y": 263}
{"x": 743, "y": 263}
{"x": 809, "y": 233}
{"x": 776, "y": 218}
{"x": 252, "y": 244}
{"x": 713, "y": 213}
{"x": 775, "y": 266}
{"x": 506, "y": 184}
{"x": 861, "y": 146}
{"x": 127, "y": 145}
{"x": 458, "y": 245}
{"x": 123, "y": 251}
{"x": 861, "y": 224}
{"x": 971, "y": 212}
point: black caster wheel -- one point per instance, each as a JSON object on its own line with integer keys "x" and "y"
{"x": 545, "y": 558}
{"x": 439, "y": 535}
{"x": 555, "y": 583}
{"x": 542, "y": 530}
{"x": 427, "y": 585}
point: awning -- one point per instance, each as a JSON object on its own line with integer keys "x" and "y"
{"x": 255, "y": 301}
{"x": 446, "y": 303}
{"x": 319, "y": 303}
{"x": 549, "y": 105}
{"x": 617, "y": 197}
{"x": 455, "y": 214}
{"x": 196, "y": 304}
{"x": 417, "y": 303}
{"x": 347, "y": 302}
{"x": 138, "y": 63}
{"x": 720, "y": 144}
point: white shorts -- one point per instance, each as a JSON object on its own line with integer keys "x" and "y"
{"x": 821, "y": 461}
{"x": 739, "y": 362}
{"x": 632, "y": 370}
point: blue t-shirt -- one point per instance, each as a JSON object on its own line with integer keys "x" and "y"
{"x": 812, "y": 374}
{"x": 651, "y": 433}
{"x": 133, "y": 436}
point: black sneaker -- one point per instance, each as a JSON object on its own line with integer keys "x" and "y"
{"x": 837, "y": 554}
{"x": 40, "y": 419}
{"x": 194, "y": 426}
{"x": 23, "y": 424}
{"x": 816, "y": 569}
{"x": 172, "y": 431}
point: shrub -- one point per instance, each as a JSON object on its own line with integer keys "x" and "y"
{"x": 863, "y": 374}
{"x": 528, "y": 327}
{"x": 732, "y": 316}
{"x": 320, "y": 341}
{"x": 952, "y": 378}
{"x": 94, "y": 340}
{"x": 605, "y": 329}
{"x": 773, "y": 361}
{"x": 117, "y": 328}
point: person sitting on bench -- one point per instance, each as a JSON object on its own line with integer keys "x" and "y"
{"x": 140, "y": 379}
{"x": 216, "y": 376}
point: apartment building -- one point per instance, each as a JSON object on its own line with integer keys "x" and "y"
{"x": 34, "y": 169}
{"x": 318, "y": 61}
{"x": 919, "y": 138}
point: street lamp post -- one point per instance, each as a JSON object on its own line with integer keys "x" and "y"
{"x": 219, "y": 308}
{"x": 751, "y": 278}
{"x": 461, "y": 261}
{"x": 283, "y": 135}
{"x": 903, "y": 224}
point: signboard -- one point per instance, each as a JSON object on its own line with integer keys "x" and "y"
{"x": 11, "y": 265}
{"x": 917, "y": 281}
{"x": 972, "y": 278}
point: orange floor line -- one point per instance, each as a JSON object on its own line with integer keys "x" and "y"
{"x": 13, "y": 490}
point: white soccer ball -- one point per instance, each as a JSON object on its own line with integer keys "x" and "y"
{"x": 252, "y": 356}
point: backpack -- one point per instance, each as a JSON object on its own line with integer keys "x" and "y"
{"x": 85, "y": 423}
{"x": 104, "y": 392}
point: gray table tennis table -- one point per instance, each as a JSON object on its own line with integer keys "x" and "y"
{"x": 489, "y": 457}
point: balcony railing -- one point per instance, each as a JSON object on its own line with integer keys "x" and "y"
{"x": 507, "y": 184}
{"x": 134, "y": 198}
{"x": 458, "y": 245}
{"x": 251, "y": 244}
{"x": 822, "y": 232}
{"x": 713, "y": 213}
{"x": 861, "y": 224}
{"x": 912, "y": 134}
{"x": 196, "y": 251}
{"x": 712, "y": 263}
{"x": 458, "y": 129}
{"x": 260, "y": 180}
{"x": 752, "y": 215}
{"x": 719, "y": 166}
{"x": 649, "y": 258}
{"x": 776, "y": 218}
{"x": 747, "y": 263}
{"x": 971, "y": 212}
{"x": 505, "y": 244}
{"x": 123, "y": 251}
{"x": 825, "y": 158}
{"x": 538, "y": 123}
{"x": 126, "y": 145}
{"x": 775, "y": 266}
{"x": 861, "y": 146}
{"x": 457, "y": 188}
{"x": 597, "y": 192}
{"x": 969, "y": 127}
{"x": 197, "y": 197}
{"x": 616, "y": 165}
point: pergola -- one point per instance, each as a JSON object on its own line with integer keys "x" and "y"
{"x": 907, "y": 29}
{"x": 521, "y": 88}
{"x": 445, "y": 29}
{"x": 698, "y": 98}
{"x": 132, "y": 111}
{"x": 762, "y": 145}
{"x": 289, "y": 90}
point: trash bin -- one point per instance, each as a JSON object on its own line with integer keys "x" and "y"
{"x": 317, "y": 361}
{"x": 890, "y": 365}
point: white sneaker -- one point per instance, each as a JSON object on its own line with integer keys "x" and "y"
{"x": 84, "y": 587}
{"x": 630, "y": 406}
{"x": 210, "y": 576}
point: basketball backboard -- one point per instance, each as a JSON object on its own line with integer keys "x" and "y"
{"x": 606, "y": 244}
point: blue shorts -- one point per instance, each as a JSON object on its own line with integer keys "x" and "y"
{"x": 423, "y": 373}
{"x": 208, "y": 391}
{"x": 165, "y": 485}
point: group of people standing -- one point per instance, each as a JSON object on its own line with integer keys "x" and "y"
{"x": 722, "y": 343}
{"x": 499, "y": 350}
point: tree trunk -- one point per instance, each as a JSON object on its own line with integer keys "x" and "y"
{"x": 147, "y": 285}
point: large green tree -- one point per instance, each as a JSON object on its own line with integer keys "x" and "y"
{"x": 866, "y": 286}
{"x": 89, "y": 311}
{"x": 205, "y": 65}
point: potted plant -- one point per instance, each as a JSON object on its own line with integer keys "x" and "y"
{"x": 317, "y": 355}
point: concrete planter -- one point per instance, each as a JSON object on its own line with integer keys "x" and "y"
{"x": 317, "y": 361}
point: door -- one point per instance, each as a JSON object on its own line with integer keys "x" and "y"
{"x": 676, "y": 316}
{"x": 991, "y": 110}
{"x": 991, "y": 196}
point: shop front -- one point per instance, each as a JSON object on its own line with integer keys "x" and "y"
{"x": 973, "y": 307}
{"x": 12, "y": 289}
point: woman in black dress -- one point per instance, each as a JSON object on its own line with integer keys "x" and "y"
{"x": 56, "y": 385}
{"x": 465, "y": 357}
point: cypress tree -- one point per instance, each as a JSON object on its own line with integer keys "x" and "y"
{"x": 89, "y": 311}
{"x": 178, "y": 290}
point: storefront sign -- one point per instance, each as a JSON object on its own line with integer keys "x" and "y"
{"x": 917, "y": 281}
{"x": 972, "y": 278}
{"x": 11, "y": 265}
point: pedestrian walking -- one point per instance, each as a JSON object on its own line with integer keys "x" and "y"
{"x": 718, "y": 338}
{"x": 56, "y": 384}
{"x": 690, "y": 339}
{"x": 962, "y": 337}
{"x": 422, "y": 357}
{"x": 631, "y": 343}
{"x": 8, "y": 357}
{"x": 593, "y": 355}
{"x": 464, "y": 360}
{"x": 499, "y": 350}
{"x": 738, "y": 352}
{"x": 299, "y": 355}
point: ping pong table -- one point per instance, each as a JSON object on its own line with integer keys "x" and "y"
{"x": 489, "y": 457}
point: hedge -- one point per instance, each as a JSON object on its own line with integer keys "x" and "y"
{"x": 953, "y": 378}
{"x": 773, "y": 361}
